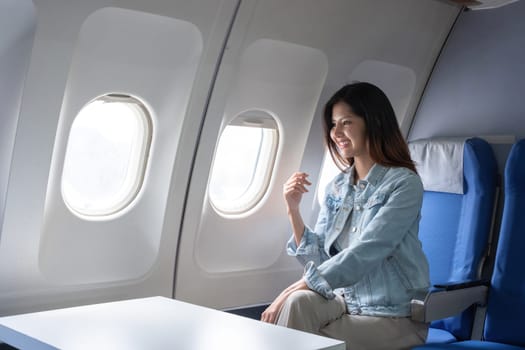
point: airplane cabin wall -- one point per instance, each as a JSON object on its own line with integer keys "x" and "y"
{"x": 477, "y": 85}
{"x": 280, "y": 59}
{"x": 49, "y": 256}
{"x": 17, "y": 28}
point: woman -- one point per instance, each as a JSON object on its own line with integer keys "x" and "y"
{"x": 363, "y": 262}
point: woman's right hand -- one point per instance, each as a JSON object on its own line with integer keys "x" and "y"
{"x": 271, "y": 314}
{"x": 294, "y": 188}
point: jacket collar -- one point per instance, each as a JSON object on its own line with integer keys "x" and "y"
{"x": 374, "y": 176}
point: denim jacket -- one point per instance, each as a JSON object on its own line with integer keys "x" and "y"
{"x": 382, "y": 265}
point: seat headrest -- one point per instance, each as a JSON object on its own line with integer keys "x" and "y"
{"x": 439, "y": 163}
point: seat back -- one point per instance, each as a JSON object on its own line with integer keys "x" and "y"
{"x": 455, "y": 227}
{"x": 505, "y": 317}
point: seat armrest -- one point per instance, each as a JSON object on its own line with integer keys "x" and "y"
{"x": 462, "y": 284}
{"x": 449, "y": 300}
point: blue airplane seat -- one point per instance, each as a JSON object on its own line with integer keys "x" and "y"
{"x": 506, "y": 306}
{"x": 505, "y": 315}
{"x": 460, "y": 180}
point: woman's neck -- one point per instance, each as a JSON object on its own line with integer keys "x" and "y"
{"x": 362, "y": 166}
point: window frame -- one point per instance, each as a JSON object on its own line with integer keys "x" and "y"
{"x": 252, "y": 198}
{"x": 139, "y": 162}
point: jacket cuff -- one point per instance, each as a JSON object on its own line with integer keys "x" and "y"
{"x": 316, "y": 282}
{"x": 307, "y": 246}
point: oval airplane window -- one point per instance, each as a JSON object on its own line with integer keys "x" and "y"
{"x": 243, "y": 163}
{"x": 106, "y": 155}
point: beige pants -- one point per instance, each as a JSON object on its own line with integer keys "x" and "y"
{"x": 310, "y": 312}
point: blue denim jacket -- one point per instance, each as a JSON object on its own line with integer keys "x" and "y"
{"x": 382, "y": 265}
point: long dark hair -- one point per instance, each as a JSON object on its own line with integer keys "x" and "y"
{"x": 386, "y": 143}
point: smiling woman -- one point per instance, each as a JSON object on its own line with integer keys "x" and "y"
{"x": 363, "y": 261}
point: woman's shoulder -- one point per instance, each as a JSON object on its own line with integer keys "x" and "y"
{"x": 401, "y": 171}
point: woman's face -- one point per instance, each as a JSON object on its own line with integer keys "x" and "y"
{"x": 348, "y": 132}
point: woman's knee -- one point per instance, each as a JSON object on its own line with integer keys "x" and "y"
{"x": 302, "y": 298}
{"x": 308, "y": 311}
{"x": 310, "y": 302}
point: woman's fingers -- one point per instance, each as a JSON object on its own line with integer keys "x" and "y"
{"x": 299, "y": 176}
{"x": 268, "y": 316}
{"x": 294, "y": 188}
{"x": 297, "y": 182}
{"x": 272, "y": 311}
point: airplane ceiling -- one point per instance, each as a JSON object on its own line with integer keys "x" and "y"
{"x": 482, "y": 4}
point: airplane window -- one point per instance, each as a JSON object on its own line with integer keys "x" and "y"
{"x": 243, "y": 163}
{"x": 106, "y": 155}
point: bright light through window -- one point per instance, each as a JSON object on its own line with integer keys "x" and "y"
{"x": 106, "y": 155}
{"x": 328, "y": 172}
{"x": 242, "y": 167}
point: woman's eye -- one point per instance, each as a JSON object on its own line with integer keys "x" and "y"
{"x": 341, "y": 123}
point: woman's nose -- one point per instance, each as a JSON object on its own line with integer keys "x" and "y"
{"x": 337, "y": 129}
